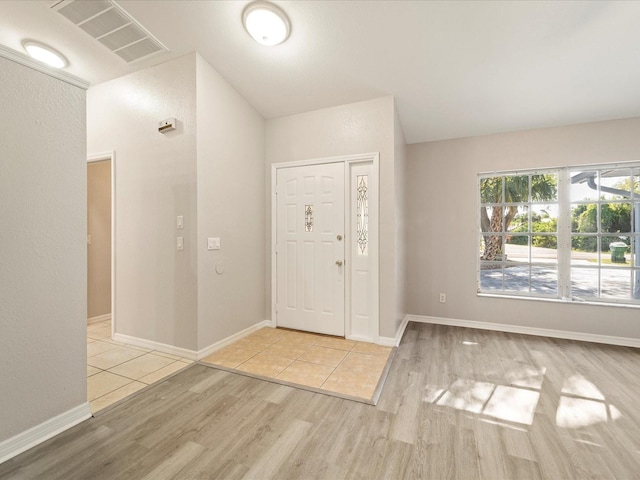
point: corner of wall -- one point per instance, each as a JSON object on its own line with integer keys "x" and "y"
{"x": 401, "y": 255}
{"x": 230, "y": 190}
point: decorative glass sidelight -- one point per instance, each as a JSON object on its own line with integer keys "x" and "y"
{"x": 308, "y": 218}
{"x": 362, "y": 214}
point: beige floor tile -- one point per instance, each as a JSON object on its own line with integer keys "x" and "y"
{"x": 319, "y": 361}
{"x": 271, "y": 333}
{"x": 350, "y": 383}
{"x": 110, "y": 340}
{"x": 256, "y": 344}
{"x": 295, "y": 341}
{"x": 168, "y": 355}
{"x": 371, "y": 348}
{"x": 302, "y": 337}
{"x": 229, "y": 356}
{"x": 98, "y": 346}
{"x": 92, "y": 327}
{"x": 113, "y": 357}
{"x": 323, "y": 356}
{"x": 303, "y": 373}
{"x": 114, "y": 396}
{"x": 103, "y": 332}
{"x": 163, "y": 372}
{"x": 102, "y": 383}
{"x": 265, "y": 365}
{"x": 287, "y": 350}
{"x": 333, "y": 342}
{"x": 357, "y": 373}
{"x": 136, "y": 347}
{"x": 141, "y": 366}
{"x": 363, "y": 363}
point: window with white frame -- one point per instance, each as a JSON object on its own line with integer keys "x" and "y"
{"x": 569, "y": 233}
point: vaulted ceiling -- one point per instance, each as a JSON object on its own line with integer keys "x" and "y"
{"x": 456, "y": 68}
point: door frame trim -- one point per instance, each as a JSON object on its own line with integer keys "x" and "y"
{"x": 374, "y": 158}
{"x": 101, "y": 157}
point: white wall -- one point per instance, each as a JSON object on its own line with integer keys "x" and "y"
{"x": 231, "y": 186}
{"x": 443, "y": 222}
{"x": 210, "y": 171}
{"x": 43, "y": 269}
{"x": 400, "y": 178}
{"x": 156, "y": 285}
{"x": 361, "y": 127}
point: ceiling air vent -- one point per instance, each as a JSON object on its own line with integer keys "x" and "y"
{"x": 108, "y": 23}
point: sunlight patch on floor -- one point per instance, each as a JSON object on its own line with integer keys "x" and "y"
{"x": 581, "y": 412}
{"x": 508, "y": 403}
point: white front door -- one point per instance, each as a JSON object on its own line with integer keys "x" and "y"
{"x": 310, "y": 249}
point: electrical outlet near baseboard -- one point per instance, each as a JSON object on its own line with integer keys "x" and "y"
{"x": 443, "y": 298}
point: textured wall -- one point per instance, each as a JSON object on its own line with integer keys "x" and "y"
{"x": 210, "y": 171}
{"x": 43, "y": 290}
{"x": 443, "y": 212}
{"x": 231, "y": 187}
{"x": 156, "y": 285}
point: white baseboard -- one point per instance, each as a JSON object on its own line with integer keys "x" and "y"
{"x": 395, "y": 341}
{"x": 184, "y": 352}
{"x": 229, "y": 340}
{"x": 359, "y": 338}
{"x": 541, "y": 332}
{"x": 40, "y": 433}
{"x": 99, "y": 318}
{"x": 160, "y": 347}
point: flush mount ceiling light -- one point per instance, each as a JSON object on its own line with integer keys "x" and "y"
{"x": 45, "y": 54}
{"x": 266, "y": 23}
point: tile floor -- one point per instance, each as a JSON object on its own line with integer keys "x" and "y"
{"x": 332, "y": 364}
{"x": 116, "y": 370}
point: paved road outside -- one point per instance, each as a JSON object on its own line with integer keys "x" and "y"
{"x": 616, "y": 281}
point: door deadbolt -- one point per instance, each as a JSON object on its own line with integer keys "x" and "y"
{"x": 339, "y": 237}
{"x": 339, "y": 263}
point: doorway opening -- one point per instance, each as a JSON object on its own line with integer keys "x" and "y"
{"x": 100, "y": 239}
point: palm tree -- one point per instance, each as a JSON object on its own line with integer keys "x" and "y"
{"x": 497, "y": 191}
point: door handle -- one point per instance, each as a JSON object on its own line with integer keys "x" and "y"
{"x": 339, "y": 263}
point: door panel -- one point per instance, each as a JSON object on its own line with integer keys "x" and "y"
{"x": 364, "y": 250}
{"x": 309, "y": 219}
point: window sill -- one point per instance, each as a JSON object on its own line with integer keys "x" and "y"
{"x": 566, "y": 301}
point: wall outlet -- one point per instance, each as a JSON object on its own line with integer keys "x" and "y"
{"x": 443, "y": 298}
{"x": 213, "y": 243}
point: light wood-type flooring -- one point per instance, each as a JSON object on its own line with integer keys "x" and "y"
{"x": 458, "y": 403}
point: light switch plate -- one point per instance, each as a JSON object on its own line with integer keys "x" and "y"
{"x": 180, "y": 243}
{"x": 179, "y": 222}
{"x": 213, "y": 243}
